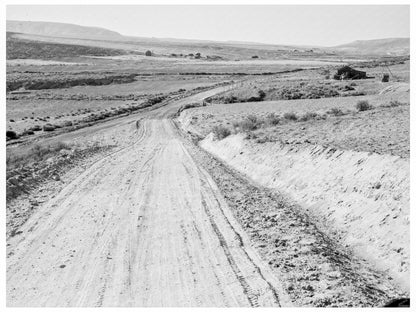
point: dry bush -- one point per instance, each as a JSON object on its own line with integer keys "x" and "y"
{"x": 11, "y": 135}
{"x": 250, "y": 123}
{"x": 363, "y": 106}
{"x": 335, "y": 111}
{"x": 272, "y": 119}
{"x": 48, "y": 127}
{"x": 395, "y": 103}
{"x": 221, "y": 132}
{"x": 36, "y": 153}
{"x": 290, "y": 116}
{"x": 308, "y": 116}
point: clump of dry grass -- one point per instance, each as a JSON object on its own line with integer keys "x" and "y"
{"x": 221, "y": 132}
{"x": 290, "y": 116}
{"x": 363, "y": 105}
{"x": 335, "y": 111}
{"x": 249, "y": 123}
{"x": 308, "y": 116}
{"x": 36, "y": 153}
{"x": 272, "y": 119}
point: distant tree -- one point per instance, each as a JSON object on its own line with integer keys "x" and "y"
{"x": 148, "y": 53}
{"x": 197, "y": 55}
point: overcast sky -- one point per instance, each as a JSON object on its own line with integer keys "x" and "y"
{"x": 296, "y": 25}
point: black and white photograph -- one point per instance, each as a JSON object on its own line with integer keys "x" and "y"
{"x": 203, "y": 155}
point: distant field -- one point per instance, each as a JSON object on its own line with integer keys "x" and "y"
{"x": 161, "y": 47}
{"x": 142, "y": 85}
{"x": 17, "y": 48}
{"x": 37, "y": 81}
{"x": 37, "y": 62}
{"x": 39, "y": 107}
{"x": 301, "y": 62}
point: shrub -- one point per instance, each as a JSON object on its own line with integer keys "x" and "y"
{"x": 395, "y": 103}
{"x": 40, "y": 152}
{"x": 11, "y": 135}
{"x": 308, "y": 116}
{"x": 290, "y": 116}
{"x": 67, "y": 123}
{"x": 249, "y": 123}
{"x": 48, "y": 127}
{"x": 221, "y": 132}
{"x": 262, "y": 95}
{"x": 230, "y": 99}
{"x": 148, "y": 53}
{"x": 272, "y": 119}
{"x": 252, "y": 118}
{"x": 28, "y": 132}
{"x": 363, "y": 106}
{"x": 348, "y": 88}
{"x": 35, "y": 128}
{"x": 335, "y": 111}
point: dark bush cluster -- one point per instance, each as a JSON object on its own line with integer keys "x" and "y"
{"x": 221, "y": 132}
{"x": 363, "y": 106}
{"x": 335, "y": 111}
{"x": 290, "y": 116}
{"x": 250, "y": 123}
{"x": 308, "y": 116}
{"x": 11, "y": 135}
{"x": 57, "y": 82}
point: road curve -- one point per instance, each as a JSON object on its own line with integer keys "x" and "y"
{"x": 144, "y": 226}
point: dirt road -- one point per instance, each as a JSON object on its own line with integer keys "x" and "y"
{"x": 145, "y": 226}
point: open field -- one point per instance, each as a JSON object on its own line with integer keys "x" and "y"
{"x": 337, "y": 123}
{"x": 212, "y": 180}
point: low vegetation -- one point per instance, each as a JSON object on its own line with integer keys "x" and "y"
{"x": 282, "y": 91}
{"x": 11, "y": 135}
{"x": 36, "y": 154}
{"x": 363, "y": 106}
{"x": 335, "y": 112}
{"x": 250, "y": 123}
{"x": 290, "y": 116}
{"x": 308, "y": 116}
{"x": 58, "y": 80}
{"x": 221, "y": 132}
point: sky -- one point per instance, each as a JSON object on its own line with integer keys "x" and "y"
{"x": 313, "y": 25}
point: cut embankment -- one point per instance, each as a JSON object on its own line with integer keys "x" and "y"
{"x": 360, "y": 197}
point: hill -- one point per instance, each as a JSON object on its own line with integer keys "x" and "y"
{"x": 388, "y": 46}
{"x": 50, "y": 29}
